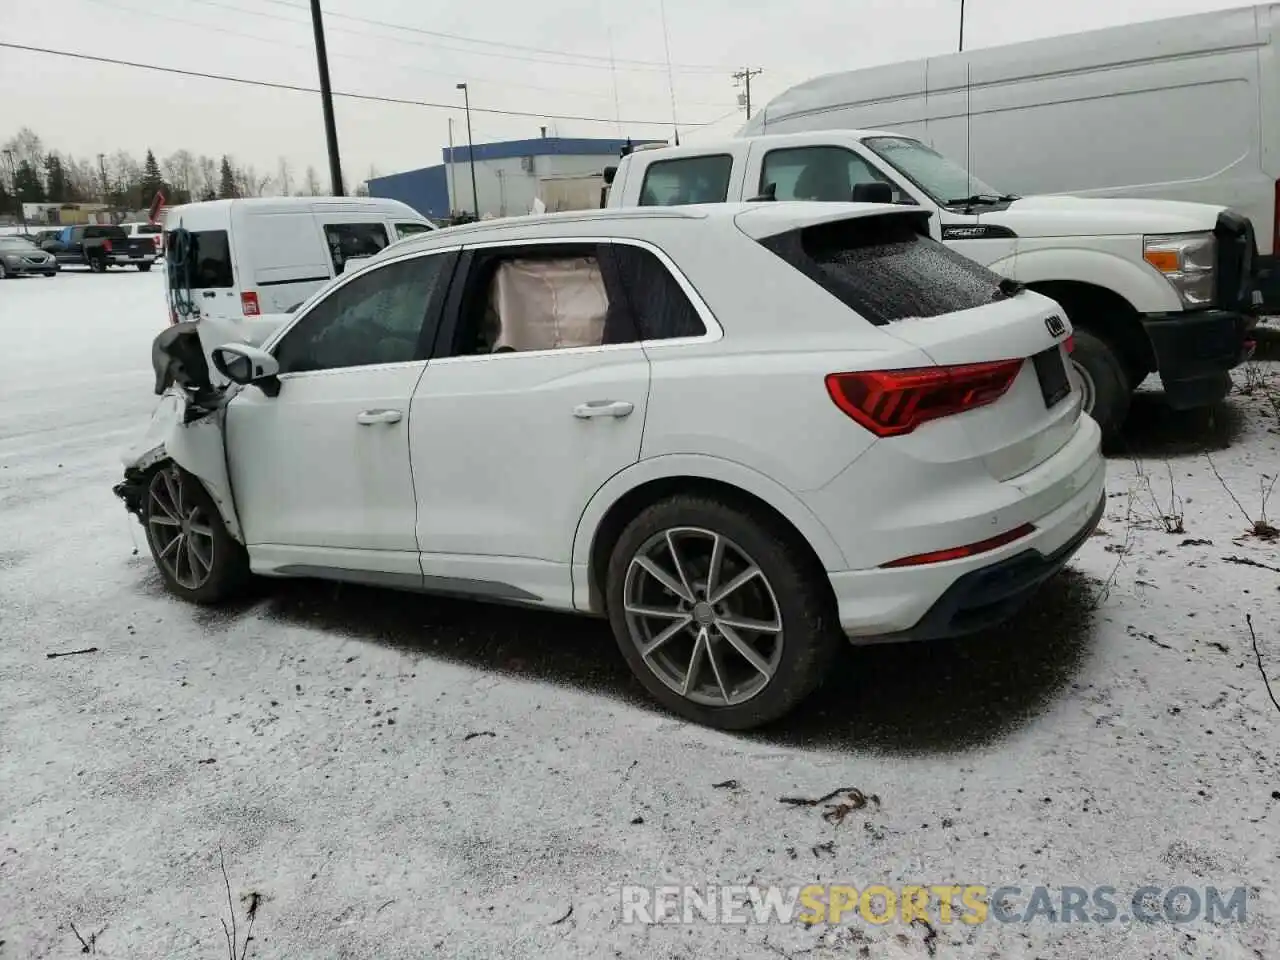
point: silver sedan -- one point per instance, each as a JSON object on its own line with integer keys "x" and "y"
{"x": 19, "y": 256}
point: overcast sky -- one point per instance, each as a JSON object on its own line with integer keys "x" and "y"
{"x": 89, "y": 108}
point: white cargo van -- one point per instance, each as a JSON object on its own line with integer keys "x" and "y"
{"x": 1177, "y": 109}
{"x": 249, "y": 259}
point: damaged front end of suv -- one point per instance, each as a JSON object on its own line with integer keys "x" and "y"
{"x": 186, "y": 428}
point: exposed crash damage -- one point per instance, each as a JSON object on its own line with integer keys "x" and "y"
{"x": 186, "y": 430}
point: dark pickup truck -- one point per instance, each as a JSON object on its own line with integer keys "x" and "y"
{"x": 99, "y": 247}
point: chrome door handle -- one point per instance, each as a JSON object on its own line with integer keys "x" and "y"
{"x": 367, "y": 417}
{"x": 603, "y": 408}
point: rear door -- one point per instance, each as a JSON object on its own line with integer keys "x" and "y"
{"x": 284, "y": 257}
{"x": 536, "y": 396}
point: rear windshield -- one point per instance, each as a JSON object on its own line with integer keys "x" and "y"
{"x": 211, "y": 254}
{"x": 105, "y": 233}
{"x": 885, "y": 269}
{"x": 149, "y": 228}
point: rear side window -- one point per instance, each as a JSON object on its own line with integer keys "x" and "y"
{"x": 671, "y": 183}
{"x": 410, "y": 229}
{"x": 211, "y": 254}
{"x": 658, "y": 303}
{"x": 348, "y": 240}
{"x": 885, "y": 269}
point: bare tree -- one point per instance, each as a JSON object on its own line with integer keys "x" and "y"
{"x": 27, "y": 148}
{"x": 312, "y": 183}
{"x": 283, "y": 175}
{"x": 207, "y": 171}
{"x": 180, "y": 171}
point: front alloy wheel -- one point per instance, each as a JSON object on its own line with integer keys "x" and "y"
{"x": 703, "y": 616}
{"x": 180, "y": 530}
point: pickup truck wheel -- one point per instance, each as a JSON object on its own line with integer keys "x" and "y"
{"x": 1103, "y": 381}
{"x": 197, "y": 558}
{"x": 144, "y": 267}
{"x": 97, "y": 265}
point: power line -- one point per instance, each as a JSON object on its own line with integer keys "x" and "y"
{"x": 395, "y": 65}
{"x": 298, "y": 88}
{"x": 653, "y": 64}
{"x": 640, "y": 66}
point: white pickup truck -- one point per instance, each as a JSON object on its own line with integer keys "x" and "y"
{"x": 1149, "y": 285}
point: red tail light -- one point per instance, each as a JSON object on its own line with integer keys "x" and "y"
{"x": 1071, "y": 344}
{"x": 890, "y": 403}
{"x": 249, "y": 304}
{"x": 106, "y": 246}
{"x": 959, "y": 553}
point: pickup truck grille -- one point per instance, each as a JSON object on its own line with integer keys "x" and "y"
{"x": 1237, "y": 262}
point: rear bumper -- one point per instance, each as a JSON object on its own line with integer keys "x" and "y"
{"x": 1196, "y": 350}
{"x": 129, "y": 259}
{"x": 961, "y": 596}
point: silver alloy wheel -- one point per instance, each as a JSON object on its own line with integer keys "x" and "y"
{"x": 179, "y": 530}
{"x": 1088, "y": 391}
{"x": 703, "y": 616}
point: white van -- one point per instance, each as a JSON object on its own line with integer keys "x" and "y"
{"x": 1177, "y": 109}
{"x": 256, "y": 257}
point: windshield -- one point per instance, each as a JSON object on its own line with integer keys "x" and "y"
{"x": 944, "y": 180}
{"x": 15, "y": 243}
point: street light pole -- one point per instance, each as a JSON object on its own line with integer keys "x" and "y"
{"x": 962, "y": 26}
{"x": 326, "y": 98}
{"x": 471, "y": 150}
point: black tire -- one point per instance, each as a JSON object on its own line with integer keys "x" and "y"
{"x": 144, "y": 267}
{"x": 227, "y": 574}
{"x": 97, "y": 264}
{"x": 1094, "y": 357}
{"x": 795, "y": 584}
{"x": 4, "y": 273}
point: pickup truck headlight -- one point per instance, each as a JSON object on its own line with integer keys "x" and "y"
{"x": 1187, "y": 263}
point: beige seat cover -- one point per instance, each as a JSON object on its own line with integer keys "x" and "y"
{"x": 548, "y": 304}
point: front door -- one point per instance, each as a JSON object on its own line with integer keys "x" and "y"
{"x": 321, "y": 471}
{"x": 535, "y": 400}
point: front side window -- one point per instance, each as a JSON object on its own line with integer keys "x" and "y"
{"x": 823, "y": 173}
{"x": 941, "y": 178}
{"x": 670, "y": 183}
{"x": 353, "y": 240}
{"x": 886, "y": 269}
{"x": 376, "y": 318}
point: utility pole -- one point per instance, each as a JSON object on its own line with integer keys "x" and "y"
{"x": 962, "y": 26}
{"x": 326, "y": 98}
{"x": 102, "y": 168}
{"x": 471, "y": 149}
{"x": 13, "y": 181}
{"x": 453, "y": 179}
{"x": 743, "y": 77}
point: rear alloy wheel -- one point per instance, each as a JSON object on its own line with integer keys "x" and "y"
{"x": 721, "y": 617}
{"x": 196, "y": 557}
{"x": 97, "y": 265}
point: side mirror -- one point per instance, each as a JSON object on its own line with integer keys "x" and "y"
{"x": 872, "y": 192}
{"x": 609, "y": 174}
{"x": 241, "y": 363}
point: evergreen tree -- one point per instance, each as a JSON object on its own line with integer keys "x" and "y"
{"x": 27, "y": 183}
{"x": 57, "y": 186}
{"x": 152, "y": 182}
{"x": 227, "y": 180}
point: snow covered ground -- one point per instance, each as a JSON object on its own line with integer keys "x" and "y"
{"x": 396, "y": 776}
